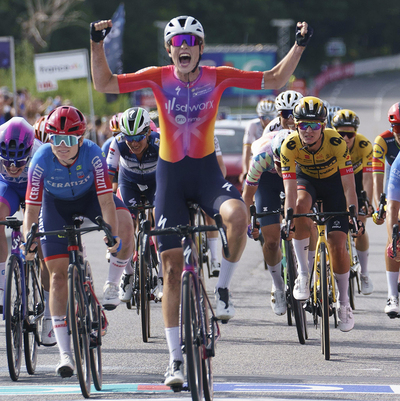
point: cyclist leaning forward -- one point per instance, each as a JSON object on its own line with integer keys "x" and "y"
{"x": 324, "y": 172}
{"x": 68, "y": 176}
{"x": 135, "y": 153}
{"x": 187, "y": 99}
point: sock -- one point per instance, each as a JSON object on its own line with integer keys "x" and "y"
{"x": 226, "y": 273}
{"x": 392, "y": 279}
{"x": 47, "y": 314}
{"x": 311, "y": 258}
{"x": 276, "y": 276}
{"x": 61, "y": 333}
{"x": 343, "y": 287}
{"x": 213, "y": 245}
{"x": 116, "y": 268}
{"x": 301, "y": 251}
{"x": 174, "y": 346}
{"x": 2, "y": 276}
{"x": 363, "y": 258}
{"x": 129, "y": 267}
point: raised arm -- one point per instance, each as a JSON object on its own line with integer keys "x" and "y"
{"x": 277, "y": 77}
{"x": 103, "y": 79}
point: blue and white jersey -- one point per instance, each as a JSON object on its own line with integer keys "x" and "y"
{"x": 140, "y": 172}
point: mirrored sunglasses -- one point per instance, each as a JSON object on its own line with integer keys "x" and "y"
{"x": 286, "y": 113}
{"x": 191, "y": 40}
{"x": 14, "y": 163}
{"x": 69, "y": 140}
{"x": 303, "y": 125}
{"x": 136, "y": 138}
{"x": 349, "y": 135}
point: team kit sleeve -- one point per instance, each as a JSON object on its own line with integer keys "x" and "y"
{"x": 36, "y": 174}
{"x": 393, "y": 188}
{"x": 379, "y": 151}
{"x": 288, "y": 158}
{"x": 343, "y": 157}
{"x": 113, "y": 157}
{"x": 259, "y": 163}
{"x": 100, "y": 171}
{"x": 366, "y": 147}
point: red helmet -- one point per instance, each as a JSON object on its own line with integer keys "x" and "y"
{"x": 66, "y": 120}
{"x": 394, "y": 114}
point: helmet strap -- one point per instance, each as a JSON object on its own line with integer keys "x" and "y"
{"x": 310, "y": 145}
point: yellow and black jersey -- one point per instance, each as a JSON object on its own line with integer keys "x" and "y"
{"x": 332, "y": 156}
{"x": 361, "y": 154}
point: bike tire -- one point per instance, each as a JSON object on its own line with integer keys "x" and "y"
{"x": 13, "y": 317}
{"x": 80, "y": 337}
{"x": 144, "y": 293}
{"x": 325, "y": 338}
{"x": 296, "y": 306}
{"x": 34, "y": 311}
{"x": 191, "y": 332}
{"x": 96, "y": 365}
{"x": 352, "y": 279}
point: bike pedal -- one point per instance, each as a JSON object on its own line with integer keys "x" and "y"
{"x": 393, "y": 315}
{"x": 224, "y": 321}
{"x": 176, "y": 388}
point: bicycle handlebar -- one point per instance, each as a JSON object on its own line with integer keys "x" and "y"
{"x": 381, "y": 206}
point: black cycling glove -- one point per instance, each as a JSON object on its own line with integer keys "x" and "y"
{"x": 303, "y": 40}
{"x": 98, "y": 36}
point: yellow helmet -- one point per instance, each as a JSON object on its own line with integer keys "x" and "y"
{"x": 310, "y": 108}
{"x": 345, "y": 118}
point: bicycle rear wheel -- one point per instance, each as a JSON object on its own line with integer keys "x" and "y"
{"x": 13, "y": 317}
{"x": 35, "y": 308}
{"x": 96, "y": 364}
{"x": 77, "y": 320}
{"x": 192, "y": 341}
{"x": 325, "y": 340}
{"x": 144, "y": 292}
{"x": 295, "y": 305}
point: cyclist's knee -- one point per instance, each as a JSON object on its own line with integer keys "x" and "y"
{"x": 234, "y": 214}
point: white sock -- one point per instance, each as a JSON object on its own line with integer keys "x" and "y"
{"x": 213, "y": 245}
{"x": 61, "y": 333}
{"x": 363, "y": 258}
{"x": 129, "y": 268}
{"x": 301, "y": 251}
{"x": 276, "y": 276}
{"x": 174, "y": 346}
{"x": 392, "y": 279}
{"x": 116, "y": 268}
{"x": 2, "y": 275}
{"x": 343, "y": 288}
{"x": 311, "y": 258}
{"x": 226, "y": 273}
{"x": 47, "y": 314}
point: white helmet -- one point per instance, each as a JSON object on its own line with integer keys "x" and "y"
{"x": 265, "y": 107}
{"x": 287, "y": 100}
{"x": 134, "y": 121}
{"x": 183, "y": 24}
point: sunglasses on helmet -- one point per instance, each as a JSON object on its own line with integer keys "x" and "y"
{"x": 286, "y": 113}
{"x": 303, "y": 125}
{"x": 349, "y": 135}
{"x": 14, "y": 163}
{"x": 136, "y": 138}
{"x": 191, "y": 40}
{"x": 69, "y": 140}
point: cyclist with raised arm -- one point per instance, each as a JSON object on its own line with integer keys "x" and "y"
{"x": 265, "y": 185}
{"x": 266, "y": 113}
{"x": 187, "y": 97}
{"x": 346, "y": 122}
{"x": 324, "y": 171}
{"x": 385, "y": 154}
{"x": 284, "y": 105}
{"x": 68, "y": 176}
{"x": 135, "y": 153}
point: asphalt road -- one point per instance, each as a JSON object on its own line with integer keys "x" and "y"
{"x": 258, "y": 356}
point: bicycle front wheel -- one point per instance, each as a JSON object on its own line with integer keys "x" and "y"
{"x": 144, "y": 292}
{"x": 95, "y": 334}
{"x": 35, "y": 309}
{"x": 77, "y": 320}
{"x": 192, "y": 338}
{"x": 325, "y": 340}
{"x": 13, "y": 317}
{"x": 295, "y": 305}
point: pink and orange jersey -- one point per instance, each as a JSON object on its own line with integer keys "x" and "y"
{"x": 187, "y": 111}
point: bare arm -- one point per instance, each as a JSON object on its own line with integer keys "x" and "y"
{"x": 103, "y": 79}
{"x": 349, "y": 188}
{"x": 248, "y": 194}
{"x": 378, "y": 187}
{"x": 222, "y": 165}
{"x": 277, "y": 77}
{"x": 392, "y": 216}
{"x": 368, "y": 185}
{"x": 108, "y": 211}
{"x": 245, "y": 160}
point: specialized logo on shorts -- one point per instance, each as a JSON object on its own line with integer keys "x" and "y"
{"x": 335, "y": 141}
{"x": 227, "y": 186}
{"x": 161, "y": 222}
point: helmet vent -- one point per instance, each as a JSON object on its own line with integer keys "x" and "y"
{"x": 62, "y": 123}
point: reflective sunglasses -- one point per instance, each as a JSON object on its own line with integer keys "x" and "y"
{"x": 348, "y": 134}
{"x": 136, "y": 138}
{"x": 191, "y": 40}
{"x": 15, "y": 163}
{"x": 303, "y": 125}
{"x": 286, "y": 113}
{"x": 69, "y": 140}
